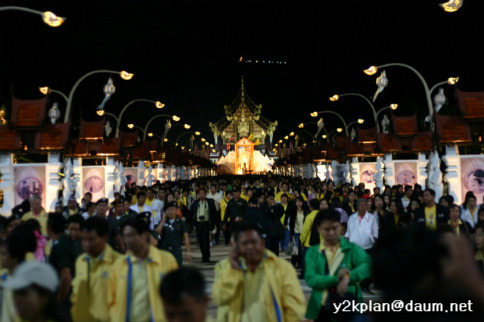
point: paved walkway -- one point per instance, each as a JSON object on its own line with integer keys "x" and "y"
{"x": 220, "y": 252}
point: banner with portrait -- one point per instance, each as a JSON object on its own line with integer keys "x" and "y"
{"x": 367, "y": 175}
{"x": 131, "y": 175}
{"x": 29, "y": 180}
{"x": 406, "y": 173}
{"x": 472, "y": 177}
{"x": 339, "y": 173}
{"x": 94, "y": 181}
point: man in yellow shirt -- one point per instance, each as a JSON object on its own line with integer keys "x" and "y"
{"x": 223, "y": 207}
{"x": 37, "y": 212}
{"x": 90, "y": 286}
{"x": 431, "y": 215}
{"x": 307, "y": 228}
{"x": 285, "y": 190}
{"x": 184, "y": 296}
{"x": 254, "y": 284}
{"x": 134, "y": 280}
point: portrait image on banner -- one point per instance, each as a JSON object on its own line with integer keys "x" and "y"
{"x": 340, "y": 173}
{"x": 406, "y": 173}
{"x": 94, "y": 182}
{"x": 131, "y": 175}
{"x": 472, "y": 176}
{"x": 28, "y": 181}
{"x": 367, "y": 175}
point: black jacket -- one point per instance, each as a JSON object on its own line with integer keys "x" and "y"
{"x": 235, "y": 209}
{"x": 280, "y": 212}
{"x": 293, "y": 216}
{"x": 212, "y": 210}
{"x": 256, "y": 215}
{"x": 442, "y": 216}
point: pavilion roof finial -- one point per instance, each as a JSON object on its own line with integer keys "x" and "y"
{"x": 242, "y": 88}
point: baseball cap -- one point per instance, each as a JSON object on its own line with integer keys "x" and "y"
{"x": 171, "y": 204}
{"x": 106, "y": 200}
{"x": 33, "y": 272}
{"x": 235, "y": 189}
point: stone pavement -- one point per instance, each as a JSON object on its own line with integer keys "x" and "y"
{"x": 220, "y": 252}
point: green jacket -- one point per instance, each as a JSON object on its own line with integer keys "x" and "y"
{"x": 356, "y": 260}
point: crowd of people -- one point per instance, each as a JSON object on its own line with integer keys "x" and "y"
{"x": 122, "y": 259}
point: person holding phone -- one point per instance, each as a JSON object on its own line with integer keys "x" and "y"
{"x": 253, "y": 284}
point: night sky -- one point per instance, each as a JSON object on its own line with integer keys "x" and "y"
{"x": 186, "y": 54}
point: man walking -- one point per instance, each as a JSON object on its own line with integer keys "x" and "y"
{"x": 204, "y": 214}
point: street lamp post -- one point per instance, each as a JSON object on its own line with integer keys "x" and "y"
{"x": 336, "y": 97}
{"x": 158, "y": 104}
{"x": 174, "y": 118}
{"x": 185, "y": 133}
{"x": 46, "y": 90}
{"x": 48, "y": 17}
{"x": 315, "y": 114}
{"x": 428, "y": 91}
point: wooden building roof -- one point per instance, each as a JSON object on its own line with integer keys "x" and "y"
{"x": 52, "y": 137}
{"x": 28, "y": 113}
{"x": 405, "y": 125}
{"x": 451, "y": 130}
{"x": 9, "y": 139}
{"x": 471, "y": 105}
{"x": 92, "y": 131}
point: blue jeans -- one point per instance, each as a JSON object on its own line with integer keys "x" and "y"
{"x": 285, "y": 241}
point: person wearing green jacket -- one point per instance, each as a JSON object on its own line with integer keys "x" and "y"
{"x": 334, "y": 269}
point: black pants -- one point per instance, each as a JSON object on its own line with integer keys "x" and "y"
{"x": 203, "y": 231}
{"x": 217, "y": 234}
{"x": 272, "y": 244}
{"x": 231, "y": 226}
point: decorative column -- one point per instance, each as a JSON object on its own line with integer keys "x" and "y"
{"x": 355, "y": 172}
{"x": 52, "y": 181}
{"x": 334, "y": 166}
{"x": 389, "y": 170}
{"x": 435, "y": 175}
{"x": 141, "y": 173}
{"x": 452, "y": 176}
{"x": 112, "y": 175}
{"x": 422, "y": 174}
{"x": 379, "y": 173}
{"x": 6, "y": 184}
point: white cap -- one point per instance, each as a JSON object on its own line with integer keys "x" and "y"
{"x": 32, "y": 272}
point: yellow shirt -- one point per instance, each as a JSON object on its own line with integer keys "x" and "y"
{"x": 253, "y": 305}
{"x": 456, "y": 229}
{"x": 7, "y": 312}
{"x": 121, "y": 280}
{"x": 479, "y": 256}
{"x": 431, "y": 218}
{"x": 41, "y": 218}
{"x": 134, "y": 200}
{"x": 333, "y": 257}
{"x": 223, "y": 207}
{"x": 280, "y": 193}
{"x": 90, "y": 286}
{"x": 306, "y": 231}
{"x": 245, "y": 197}
{"x": 140, "y": 301}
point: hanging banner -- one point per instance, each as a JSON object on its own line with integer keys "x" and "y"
{"x": 367, "y": 175}
{"x": 94, "y": 182}
{"x": 29, "y": 180}
{"x": 130, "y": 175}
{"x": 472, "y": 177}
{"x": 340, "y": 173}
{"x": 406, "y": 173}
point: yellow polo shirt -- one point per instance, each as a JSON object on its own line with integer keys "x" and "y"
{"x": 253, "y": 307}
{"x": 280, "y": 193}
{"x": 41, "y": 218}
{"x": 90, "y": 286}
{"x": 140, "y": 304}
{"x": 456, "y": 229}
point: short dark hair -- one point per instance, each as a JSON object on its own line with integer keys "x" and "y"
{"x": 56, "y": 222}
{"x": 314, "y": 204}
{"x": 75, "y": 219}
{"x": 20, "y": 242}
{"x": 327, "y": 215}
{"x": 431, "y": 191}
{"x": 184, "y": 281}
{"x": 141, "y": 193}
{"x": 244, "y": 227}
{"x": 254, "y": 200}
{"x": 138, "y": 223}
{"x": 97, "y": 224}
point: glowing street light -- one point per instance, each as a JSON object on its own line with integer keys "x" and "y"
{"x": 159, "y": 104}
{"x": 452, "y": 5}
{"x": 339, "y": 130}
{"x": 125, "y": 75}
{"x": 361, "y": 121}
{"x": 175, "y": 118}
{"x": 314, "y": 114}
{"x": 452, "y": 80}
{"x": 197, "y": 133}
{"x": 334, "y": 98}
{"x": 286, "y": 137}
{"x": 301, "y": 126}
{"x": 49, "y": 18}
{"x": 130, "y": 125}
{"x": 44, "y": 90}
{"x": 202, "y": 139}
{"x": 187, "y": 126}
{"x": 291, "y": 134}
{"x": 371, "y": 70}
{"x": 100, "y": 111}
{"x": 150, "y": 134}
{"x": 280, "y": 141}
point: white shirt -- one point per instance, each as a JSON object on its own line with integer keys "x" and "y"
{"x": 86, "y": 215}
{"x": 145, "y": 208}
{"x": 467, "y": 216}
{"x": 405, "y": 202}
{"x": 363, "y": 233}
{"x": 217, "y": 197}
